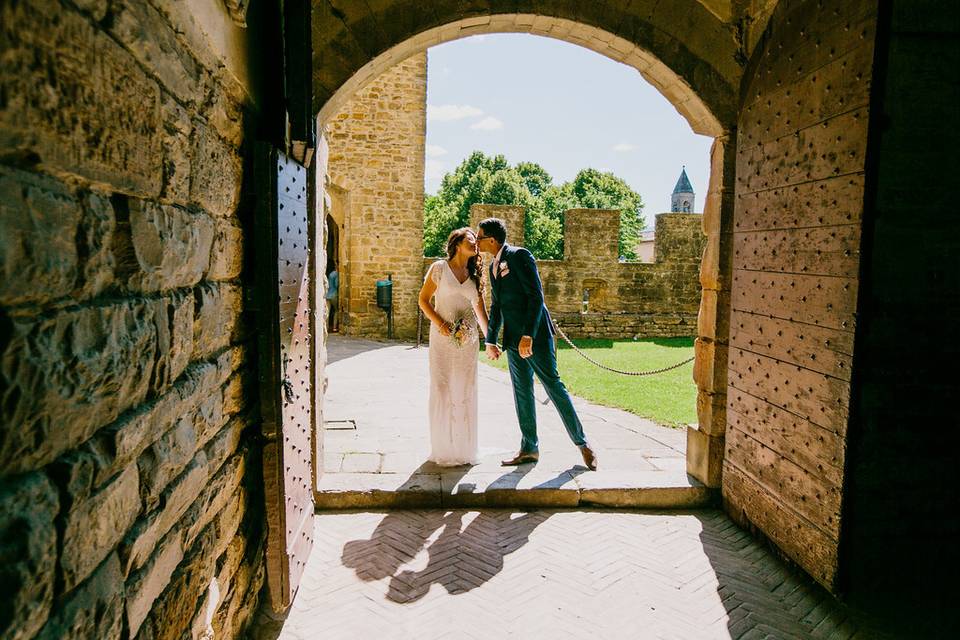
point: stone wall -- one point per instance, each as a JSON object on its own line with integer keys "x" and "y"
{"x": 130, "y": 486}
{"x": 376, "y": 171}
{"x": 625, "y": 299}
{"x": 800, "y": 164}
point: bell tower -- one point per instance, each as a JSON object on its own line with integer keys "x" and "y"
{"x": 682, "y": 199}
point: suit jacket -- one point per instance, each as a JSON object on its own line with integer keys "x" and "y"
{"x": 518, "y": 300}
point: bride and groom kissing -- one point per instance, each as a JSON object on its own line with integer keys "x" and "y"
{"x": 456, "y": 287}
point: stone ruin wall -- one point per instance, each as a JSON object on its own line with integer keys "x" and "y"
{"x": 376, "y": 166}
{"x": 129, "y": 477}
{"x": 626, "y": 299}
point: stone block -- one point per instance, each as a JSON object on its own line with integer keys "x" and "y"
{"x": 92, "y": 610}
{"x": 226, "y": 255}
{"x": 236, "y": 393}
{"x": 223, "y": 497}
{"x": 215, "y": 173}
{"x": 710, "y": 277}
{"x": 225, "y": 113}
{"x": 139, "y": 545}
{"x": 712, "y": 412}
{"x": 394, "y": 490}
{"x": 39, "y": 220}
{"x": 28, "y": 551}
{"x": 710, "y": 365}
{"x": 217, "y": 320}
{"x": 209, "y": 417}
{"x": 705, "y": 457}
{"x": 109, "y": 130}
{"x": 713, "y": 319}
{"x": 145, "y": 585}
{"x": 177, "y": 131}
{"x": 67, "y": 375}
{"x": 171, "y": 245}
{"x": 95, "y": 239}
{"x": 199, "y": 492}
{"x": 164, "y": 461}
{"x": 121, "y": 443}
{"x": 95, "y": 525}
{"x": 642, "y": 490}
{"x": 174, "y": 322}
{"x": 149, "y": 37}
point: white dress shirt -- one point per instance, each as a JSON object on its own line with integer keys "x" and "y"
{"x": 496, "y": 262}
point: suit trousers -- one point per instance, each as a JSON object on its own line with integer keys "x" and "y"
{"x": 543, "y": 363}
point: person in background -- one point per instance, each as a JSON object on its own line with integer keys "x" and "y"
{"x": 333, "y": 297}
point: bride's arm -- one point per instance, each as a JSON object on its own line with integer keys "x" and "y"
{"x": 481, "y": 310}
{"x": 426, "y": 292}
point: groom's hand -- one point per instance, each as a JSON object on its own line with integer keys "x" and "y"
{"x": 493, "y": 351}
{"x": 526, "y": 347}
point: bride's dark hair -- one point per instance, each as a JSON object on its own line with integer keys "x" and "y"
{"x": 474, "y": 264}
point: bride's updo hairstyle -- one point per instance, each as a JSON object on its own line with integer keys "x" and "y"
{"x": 474, "y": 264}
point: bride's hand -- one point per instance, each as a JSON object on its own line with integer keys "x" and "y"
{"x": 445, "y": 328}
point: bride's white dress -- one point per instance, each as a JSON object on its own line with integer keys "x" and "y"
{"x": 453, "y": 372}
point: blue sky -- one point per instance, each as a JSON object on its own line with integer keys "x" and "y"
{"x": 561, "y": 106}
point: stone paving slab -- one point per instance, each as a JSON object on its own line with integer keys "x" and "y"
{"x": 382, "y": 388}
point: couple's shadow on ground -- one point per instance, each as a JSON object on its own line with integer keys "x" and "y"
{"x": 465, "y": 548}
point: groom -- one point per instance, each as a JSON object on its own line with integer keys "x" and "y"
{"x": 527, "y": 339}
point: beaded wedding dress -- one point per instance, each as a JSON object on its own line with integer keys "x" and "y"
{"x": 453, "y": 372}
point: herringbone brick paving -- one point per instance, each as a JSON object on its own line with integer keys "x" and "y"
{"x": 553, "y": 574}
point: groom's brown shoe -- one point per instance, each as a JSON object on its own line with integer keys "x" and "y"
{"x": 589, "y": 457}
{"x": 520, "y": 458}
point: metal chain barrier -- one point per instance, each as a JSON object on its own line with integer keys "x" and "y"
{"x": 611, "y": 369}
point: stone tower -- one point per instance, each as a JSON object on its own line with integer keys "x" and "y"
{"x": 682, "y": 199}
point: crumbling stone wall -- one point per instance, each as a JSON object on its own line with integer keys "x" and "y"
{"x": 625, "y": 299}
{"x": 376, "y": 166}
{"x": 129, "y": 478}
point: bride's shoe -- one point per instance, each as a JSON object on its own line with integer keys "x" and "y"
{"x": 520, "y": 458}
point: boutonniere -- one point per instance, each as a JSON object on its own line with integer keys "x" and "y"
{"x": 504, "y": 269}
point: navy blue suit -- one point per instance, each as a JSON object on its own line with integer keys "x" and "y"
{"x": 518, "y": 306}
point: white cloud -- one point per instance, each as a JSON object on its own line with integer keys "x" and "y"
{"x": 435, "y": 150}
{"x": 623, "y": 147}
{"x": 450, "y": 112}
{"x": 488, "y": 124}
{"x": 434, "y": 170}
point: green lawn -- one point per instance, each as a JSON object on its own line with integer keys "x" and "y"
{"x": 667, "y": 398}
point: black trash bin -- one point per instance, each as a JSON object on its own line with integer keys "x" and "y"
{"x": 385, "y": 301}
{"x": 385, "y": 294}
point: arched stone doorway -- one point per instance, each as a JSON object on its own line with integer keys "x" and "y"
{"x": 697, "y": 55}
{"x": 707, "y": 60}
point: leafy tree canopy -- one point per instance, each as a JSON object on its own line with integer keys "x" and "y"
{"x": 481, "y": 179}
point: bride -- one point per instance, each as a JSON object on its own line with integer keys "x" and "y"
{"x": 454, "y": 344}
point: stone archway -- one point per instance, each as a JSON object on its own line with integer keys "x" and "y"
{"x": 783, "y": 88}
{"x": 687, "y": 52}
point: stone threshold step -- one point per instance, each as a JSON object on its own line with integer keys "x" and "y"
{"x": 519, "y": 488}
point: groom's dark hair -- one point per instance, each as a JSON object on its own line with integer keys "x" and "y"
{"x": 495, "y": 228}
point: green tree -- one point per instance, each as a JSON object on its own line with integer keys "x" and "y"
{"x": 438, "y": 221}
{"x": 482, "y": 179}
{"x": 536, "y": 178}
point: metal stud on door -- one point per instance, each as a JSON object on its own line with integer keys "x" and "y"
{"x": 283, "y": 313}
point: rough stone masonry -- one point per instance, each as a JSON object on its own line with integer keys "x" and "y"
{"x": 129, "y": 480}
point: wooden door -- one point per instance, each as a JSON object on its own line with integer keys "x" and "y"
{"x": 283, "y": 313}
